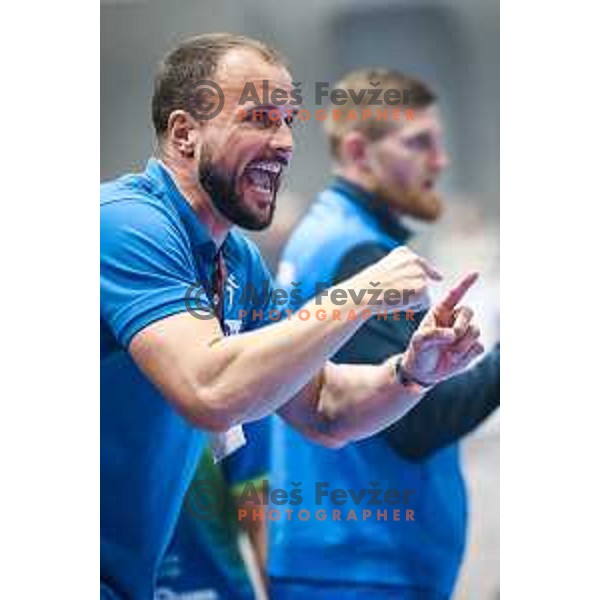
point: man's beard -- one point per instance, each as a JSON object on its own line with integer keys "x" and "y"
{"x": 424, "y": 205}
{"x": 222, "y": 191}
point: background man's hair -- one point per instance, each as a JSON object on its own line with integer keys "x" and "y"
{"x": 414, "y": 93}
{"x": 192, "y": 60}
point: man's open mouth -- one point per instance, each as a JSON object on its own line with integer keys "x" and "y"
{"x": 263, "y": 175}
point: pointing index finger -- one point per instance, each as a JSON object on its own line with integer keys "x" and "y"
{"x": 456, "y": 294}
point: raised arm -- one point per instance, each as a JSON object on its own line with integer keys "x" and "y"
{"x": 350, "y": 402}
{"x": 217, "y": 382}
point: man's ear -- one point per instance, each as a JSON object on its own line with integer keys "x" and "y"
{"x": 354, "y": 148}
{"x": 182, "y": 132}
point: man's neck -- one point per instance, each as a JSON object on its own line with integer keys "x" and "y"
{"x": 353, "y": 176}
{"x": 199, "y": 200}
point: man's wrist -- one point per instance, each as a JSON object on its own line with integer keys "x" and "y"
{"x": 360, "y": 298}
{"x": 405, "y": 377}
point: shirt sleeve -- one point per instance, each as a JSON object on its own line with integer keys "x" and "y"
{"x": 450, "y": 410}
{"x": 146, "y": 267}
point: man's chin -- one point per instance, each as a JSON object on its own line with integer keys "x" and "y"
{"x": 428, "y": 207}
{"x": 424, "y": 205}
{"x": 257, "y": 220}
{"x": 258, "y": 211}
{"x": 256, "y": 225}
{"x": 264, "y": 220}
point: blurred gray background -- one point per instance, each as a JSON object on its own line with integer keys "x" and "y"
{"x": 451, "y": 44}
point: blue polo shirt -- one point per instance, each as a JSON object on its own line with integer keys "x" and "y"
{"x": 152, "y": 249}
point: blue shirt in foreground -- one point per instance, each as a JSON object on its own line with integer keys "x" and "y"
{"x": 203, "y": 559}
{"x": 152, "y": 249}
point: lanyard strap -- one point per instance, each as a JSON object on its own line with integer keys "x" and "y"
{"x": 218, "y": 289}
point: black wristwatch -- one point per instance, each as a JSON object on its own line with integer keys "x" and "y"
{"x": 405, "y": 378}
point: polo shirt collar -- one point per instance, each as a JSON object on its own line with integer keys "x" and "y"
{"x": 385, "y": 220}
{"x": 197, "y": 231}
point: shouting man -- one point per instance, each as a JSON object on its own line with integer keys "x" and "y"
{"x": 169, "y": 375}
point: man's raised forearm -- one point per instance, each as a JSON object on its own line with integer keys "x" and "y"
{"x": 248, "y": 376}
{"x": 252, "y": 374}
{"x": 356, "y": 401}
{"x": 217, "y": 382}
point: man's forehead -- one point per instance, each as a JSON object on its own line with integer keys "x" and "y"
{"x": 422, "y": 120}
{"x": 242, "y": 66}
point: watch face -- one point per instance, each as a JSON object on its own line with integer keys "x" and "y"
{"x": 405, "y": 378}
{"x": 400, "y": 373}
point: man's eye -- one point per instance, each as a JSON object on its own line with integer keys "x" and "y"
{"x": 261, "y": 118}
{"x": 290, "y": 119}
{"x": 419, "y": 142}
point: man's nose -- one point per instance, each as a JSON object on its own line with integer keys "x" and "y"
{"x": 440, "y": 160}
{"x": 282, "y": 140}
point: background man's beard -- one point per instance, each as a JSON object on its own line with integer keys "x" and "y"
{"x": 425, "y": 205}
{"x": 228, "y": 202}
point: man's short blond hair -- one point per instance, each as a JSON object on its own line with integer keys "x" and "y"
{"x": 409, "y": 93}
